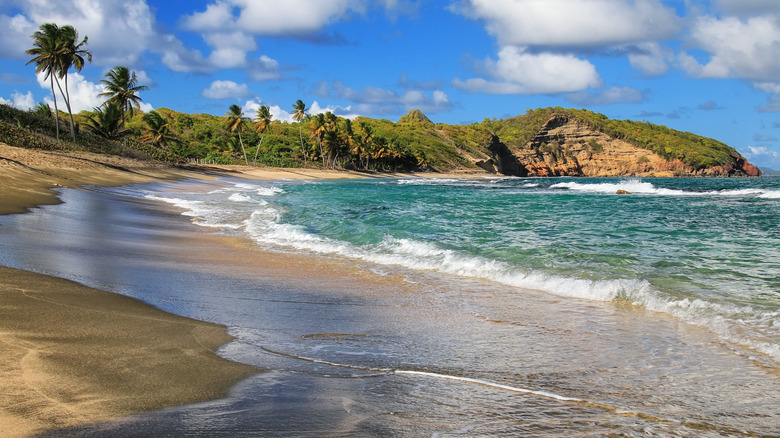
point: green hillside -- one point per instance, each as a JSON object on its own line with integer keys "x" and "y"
{"x": 325, "y": 140}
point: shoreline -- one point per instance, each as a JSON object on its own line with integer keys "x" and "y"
{"x": 49, "y": 383}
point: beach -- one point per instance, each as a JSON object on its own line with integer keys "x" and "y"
{"x": 86, "y": 355}
{"x": 73, "y": 354}
{"x": 408, "y": 306}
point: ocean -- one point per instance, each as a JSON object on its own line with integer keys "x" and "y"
{"x": 449, "y": 306}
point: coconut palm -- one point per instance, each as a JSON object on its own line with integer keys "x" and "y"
{"x": 47, "y": 52}
{"x": 121, "y": 87}
{"x": 158, "y": 129}
{"x": 263, "y": 121}
{"x": 72, "y": 56}
{"x": 107, "y": 122}
{"x": 42, "y": 109}
{"x": 317, "y": 128}
{"x": 236, "y": 122}
{"x": 299, "y": 112}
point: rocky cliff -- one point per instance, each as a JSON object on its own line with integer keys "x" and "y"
{"x": 567, "y": 146}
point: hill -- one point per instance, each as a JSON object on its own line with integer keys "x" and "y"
{"x": 541, "y": 142}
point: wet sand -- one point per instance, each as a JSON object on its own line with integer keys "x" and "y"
{"x": 73, "y": 355}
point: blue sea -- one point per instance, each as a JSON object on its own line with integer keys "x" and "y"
{"x": 467, "y": 306}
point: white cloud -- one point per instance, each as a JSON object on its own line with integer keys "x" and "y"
{"x": 740, "y": 48}
{"x": 16, "y": 35}
{"x": 573, "y": 23}
{"x": 380, "y": 101}
{"x": 20, "y": 101}
{"x": 276, "y": 18}
{"x": 226, "y": 90}
{"x": 264, "y": 68}
{"x": 83, "y": 93}
{"x": 651, "y": 59}
{"x": 229, "y": 48}
{"x": 607, "y": 97}
{"x": 518, "y": 72}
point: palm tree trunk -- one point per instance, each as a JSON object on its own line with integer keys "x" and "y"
{"x": 56, "y": 110}
{"x": 242, "y": 147}
{"x": 70, "y": 113}
{"x": 300, "y": 133}
{"x": 258, "y": 149}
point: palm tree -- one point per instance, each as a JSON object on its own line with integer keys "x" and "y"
{"x": 72, "y": 56}
{"x": 122, "y": 87}
{"x": 236, "y": 123}
{"x": 316, "y": 129}
{"x": 42, "y": 109}
{"x": 299, "y": 112}
{"x": 158, "y": 129}
{"x": 47, "y": 51}
{"x": 107, "y": 122}
{"x": 263, "y": 121}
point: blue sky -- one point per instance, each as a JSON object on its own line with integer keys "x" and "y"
{"x": 709, "y": 67}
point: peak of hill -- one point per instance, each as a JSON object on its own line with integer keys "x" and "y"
{"x": 415, "y": 116}
{"x": 541, "y": 142}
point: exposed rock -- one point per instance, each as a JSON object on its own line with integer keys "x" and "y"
{"x": 622, "y": 192}
{"x": 568, "y": 147}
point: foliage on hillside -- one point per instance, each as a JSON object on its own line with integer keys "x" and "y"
{"x": 33, "y": 130}
{"x": 693, "y": 150}
{"x": 414, "y": 143}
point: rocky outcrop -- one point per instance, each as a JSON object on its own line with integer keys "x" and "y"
{"x": 568, "y": 147}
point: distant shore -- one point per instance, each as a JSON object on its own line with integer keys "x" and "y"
{"x": 60, "y": 340}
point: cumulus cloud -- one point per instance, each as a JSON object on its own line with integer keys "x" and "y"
{"x": 381, "y": 101}
{"x": 607, "y": 97}
{"x": 83, "y": 93}
{"x": 738, "y": 48}
{"x": 573, "y": 23}
{"x": 518, "y": 72}
{"x": 16, "y": 35}
{"x": 20, "y": 101}
{"x": 226, "y": 90}
{"x": 278, "y": 18}
{"x": 264, "y": 68}
{"x": 651, "y": 59}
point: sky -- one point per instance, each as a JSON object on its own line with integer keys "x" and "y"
{"x": 711, "y": 67}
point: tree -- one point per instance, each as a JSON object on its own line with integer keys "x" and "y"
{"x": 47, "y": 52}
{"x": 158, "y": 129}
{"x": 121, "y": 88}
{"x": 236, "y": 123}
{"x": 263, "y": 121}
{"x": 72, "y": 56}
{"x": 316, "y": 129}
{"x": 107, "y": 122}
{"x": 299, "y": 112}
{"x": 42, "y": 109}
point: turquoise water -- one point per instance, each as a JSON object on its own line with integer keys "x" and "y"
{"x": 706, "y": 251}
{"x": 443, "y": 307}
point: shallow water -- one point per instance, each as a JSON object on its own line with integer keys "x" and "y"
{"x": 390, "y": 346}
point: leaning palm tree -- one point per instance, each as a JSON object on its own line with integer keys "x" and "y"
{"x": 299, "y": 112}
{"x": 263, "y": 121}
{"x": 72, "y": 56}
{"x": 236, "y": 123}
{"x": 122, "y": 87}
{"x": 47, "y": 51}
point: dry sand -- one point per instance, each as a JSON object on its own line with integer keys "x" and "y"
{"x": 72, "y": 355}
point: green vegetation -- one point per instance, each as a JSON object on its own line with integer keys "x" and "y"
{"x": 693, "y": 150}
{"x": 414, "y": 143}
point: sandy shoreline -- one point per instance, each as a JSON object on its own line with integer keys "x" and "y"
{"x": 67, "y": 354}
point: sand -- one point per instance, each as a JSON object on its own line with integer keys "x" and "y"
{"x": 72, "y": 355}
